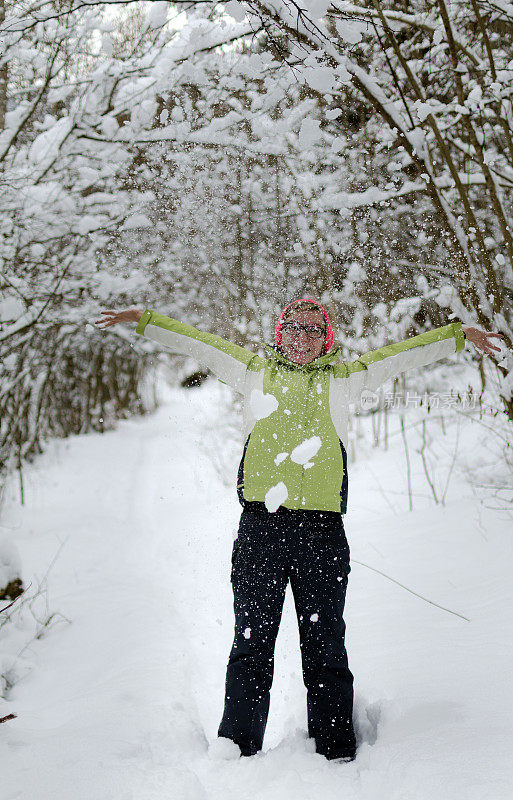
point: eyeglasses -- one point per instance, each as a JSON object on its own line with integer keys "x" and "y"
{"x": 295, "y": 328}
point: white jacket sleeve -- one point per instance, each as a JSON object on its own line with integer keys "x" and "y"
{"x": 226, "y": 360}
{"x": 375, "y": 368}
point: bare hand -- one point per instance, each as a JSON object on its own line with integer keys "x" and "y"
{"x": 481, "y": 339}
{"x": 113, "y": 317}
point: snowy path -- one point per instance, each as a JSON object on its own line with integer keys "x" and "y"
{"x": 122, "y": 703}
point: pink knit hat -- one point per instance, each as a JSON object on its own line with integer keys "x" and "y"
{"x": 330, "y": 337}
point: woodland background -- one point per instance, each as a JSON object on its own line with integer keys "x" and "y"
{"x": 215, "y": 160}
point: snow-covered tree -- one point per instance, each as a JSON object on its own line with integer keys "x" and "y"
{"x": 231, "y": 159}
{"x": 439, "y": 76}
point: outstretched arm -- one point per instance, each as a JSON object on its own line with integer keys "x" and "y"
{"x": 226, "y": 360}
{"x": 375, "y": 368}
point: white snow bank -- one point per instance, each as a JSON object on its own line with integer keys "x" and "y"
{"x": 126, "y": 700}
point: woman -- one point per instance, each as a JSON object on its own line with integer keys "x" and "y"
{"x": 292, "y": 484}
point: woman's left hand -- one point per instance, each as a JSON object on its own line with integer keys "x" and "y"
{"x": 481, "y": 339}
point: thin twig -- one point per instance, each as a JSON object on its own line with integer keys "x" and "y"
{"x": 453, "y": 462}
{"x": 431, "y": 483}
{"x": 408, "y": 467}
{"x": 16, "y": 598}
{"x": 431, "y": 602}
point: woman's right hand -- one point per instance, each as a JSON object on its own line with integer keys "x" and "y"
{"x": 113, "y": 317}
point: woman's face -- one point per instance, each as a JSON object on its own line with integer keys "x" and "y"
{"x": 296, "y": 344}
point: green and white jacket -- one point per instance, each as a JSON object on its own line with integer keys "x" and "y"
{"x": 296, "y": 417}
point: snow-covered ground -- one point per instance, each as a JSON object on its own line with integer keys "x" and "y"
{"x": 123, "y": 700}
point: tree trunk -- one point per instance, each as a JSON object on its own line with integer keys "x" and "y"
{"x": 3, "y": 77}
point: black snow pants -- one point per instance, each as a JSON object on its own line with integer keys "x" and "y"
{"x": 309, "y": 548}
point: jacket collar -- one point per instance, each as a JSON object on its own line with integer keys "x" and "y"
{"x": 321, "y": 362}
